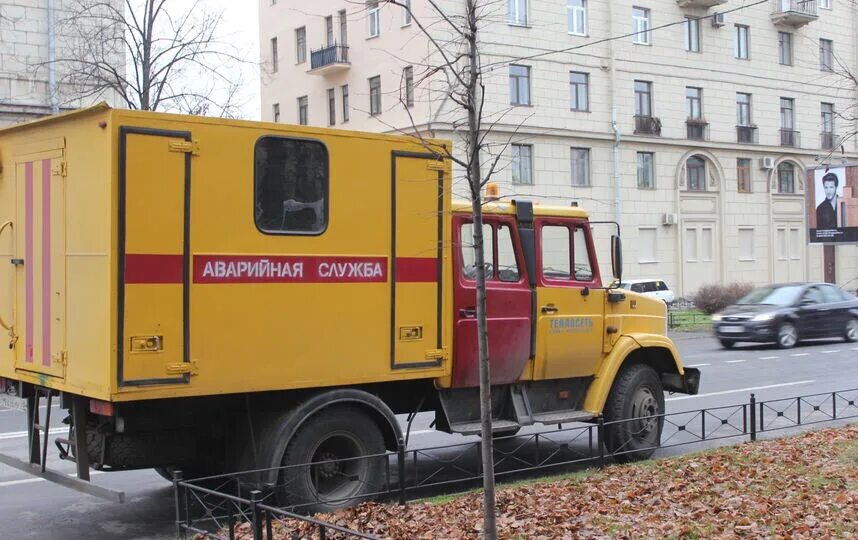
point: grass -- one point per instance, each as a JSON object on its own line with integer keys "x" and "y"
{"x": 689, "y": 320}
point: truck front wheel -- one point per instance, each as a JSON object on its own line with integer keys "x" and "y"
{"x": 326, "y": 465}
{"x": 636, "y": 398}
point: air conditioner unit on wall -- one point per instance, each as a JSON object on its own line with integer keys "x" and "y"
{"x": 767, "y": 163}
{"x": 718, "y": 20}
{"x": 668, "y": 219}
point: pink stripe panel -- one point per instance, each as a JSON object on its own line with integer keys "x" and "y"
{"x": 28, "y": 258}
{"x": 46, "y": 262}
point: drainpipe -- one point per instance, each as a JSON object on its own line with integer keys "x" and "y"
{"x": 617, "y": 177}
{"x": 53, "y": 94}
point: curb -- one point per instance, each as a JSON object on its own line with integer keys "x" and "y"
{"x": 692, "y": 334}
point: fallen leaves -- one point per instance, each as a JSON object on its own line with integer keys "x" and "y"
{"x": 797, "y": 487}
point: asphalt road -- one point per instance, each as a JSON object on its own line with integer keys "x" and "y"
{"x": 33, "y": 508}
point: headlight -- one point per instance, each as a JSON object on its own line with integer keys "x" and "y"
{"x": 716, "y": 317}
{"x": 763, "y": 317}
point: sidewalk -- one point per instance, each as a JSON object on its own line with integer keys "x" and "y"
{"x": 691, "y": 334}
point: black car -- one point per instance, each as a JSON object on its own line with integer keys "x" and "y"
{"x": 787, "y": 313}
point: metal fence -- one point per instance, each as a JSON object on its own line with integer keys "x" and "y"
{"x": 256, "y": 504}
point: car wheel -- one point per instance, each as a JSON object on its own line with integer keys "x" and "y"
{"x": 726, "y": 343}
{"x": 852, "y": 330}
{"x": 787, "y": 335}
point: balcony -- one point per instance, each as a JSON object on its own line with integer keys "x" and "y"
{"x": 705, "y": 4}
{"x": 697, "y": 129}
{"x": 829, "y": 141}
{"x": 795, "y": 13}
{"x": 747, "y": 134}
{"x": 790, "y": 138}
{"x": 330, "y": 59}
{"x": 647, "y": 125}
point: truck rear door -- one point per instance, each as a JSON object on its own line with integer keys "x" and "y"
{"x": 39, "y": 261}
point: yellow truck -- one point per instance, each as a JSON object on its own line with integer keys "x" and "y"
{"x": 221, "y": 295}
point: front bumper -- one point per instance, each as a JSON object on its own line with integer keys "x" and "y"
{"x": 687, "y": 383}
{"x": 761, "y": 331}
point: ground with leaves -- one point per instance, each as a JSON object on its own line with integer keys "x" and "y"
{"x": 797, "y": 487}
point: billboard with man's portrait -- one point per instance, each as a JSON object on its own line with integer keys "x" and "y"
{"x": 832, "y": 205}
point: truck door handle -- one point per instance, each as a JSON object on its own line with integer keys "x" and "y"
{"x": 468, "y": 313}
{"x": 550, "y": 308}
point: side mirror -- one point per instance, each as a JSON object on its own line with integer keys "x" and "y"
{"x": 617, "y": 257}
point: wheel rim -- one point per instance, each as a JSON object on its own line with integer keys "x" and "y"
{"x": 852, "y": 330}
{"x": 787, "y": 335}
{"x": 338, "y": 471}
{"x": 645, "y": 408}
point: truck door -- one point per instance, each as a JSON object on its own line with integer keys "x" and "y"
{"x": 508, "y": 303}
{"x": 39, "y": 260}
{"x": 154, "y": 232}
{"x": 569, "y": 304}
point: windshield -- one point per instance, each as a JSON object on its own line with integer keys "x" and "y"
{"x": 777, "y": 296}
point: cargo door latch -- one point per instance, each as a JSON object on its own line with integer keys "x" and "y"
{"x": 181, "y": 368}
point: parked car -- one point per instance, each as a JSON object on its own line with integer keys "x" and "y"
{"x": 649, "y": 287}
{"x": 785, "y": 314}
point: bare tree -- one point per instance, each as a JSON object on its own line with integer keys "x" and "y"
{"x": 149, "y": 55}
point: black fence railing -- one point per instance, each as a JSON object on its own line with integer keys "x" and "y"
{"x": 804, "y": 7}
{"x": 647, "y": 125}
{"x": 250, "y": 504}
{"x": 696, "y": 129}
{"x": 790, "y": 138}
{"x": 747, "y": 134}
{"x": 828, "y": 140}
{"x": 326, "y": 56}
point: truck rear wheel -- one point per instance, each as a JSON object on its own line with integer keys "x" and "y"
{"x": 325, "y": 463}
{"x": 637, "y": 393}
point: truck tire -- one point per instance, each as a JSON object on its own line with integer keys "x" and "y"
{"x": 339, "y": 433}
{"x": 637, "y": 392}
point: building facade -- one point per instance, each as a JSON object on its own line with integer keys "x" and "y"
{"x": 691, "y": 122}
{"x": 26, "y": 91}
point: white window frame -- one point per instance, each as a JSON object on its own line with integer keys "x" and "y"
{"x": 406, "y": 13}
{"x": 576, "y": 18}
{"x": 651, "y": 170}
{"x": 301, "y": 45}
{"x": 825, "y": 4}
{"x": 743, "y": 31}
{"x": 517, "y": 12}
{"x": 519, "y": 101}
{"x": 826, "y": 55}
{"x": 692, "y": 34}
{"x": 275, "y": 55}
{"x": 374, "y": 95}
{"x": 785, "y": 45}
{"x": 574, "y": 103}
{"x": 641, "y": 26}
{"x": 587, "y": 182}
{"x": 516, "y": 164}
{"x": 741, "y": 256}
{"x": 654, "y": 259}
{"x": 373, "y": 19}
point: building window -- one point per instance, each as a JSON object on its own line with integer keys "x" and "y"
{"x": 647, "y": 244}
{"x": 302, "y": 110}
{"x": 743, "y": 175}
{"x": 787, "y": 114}
{"x": 826, "y": 55}
{"x": 329, "y": 30}
{"x": 375, "y": 95}
{"x": 300, "y": 45}
{"x": 746, "y": 243}
{"x": 694, "y": 103}
{"x": 696, "y": 171}
{"x": 580, "y": 162}
{"x": 275, "y": 110}
{"x": 290, "y": 186}
{"x": 785, "y": 48}
{"x": 646, "y": 170}
{"x": 275, "y": 60}
{"x": 517, "y": 12}
{"x": 576, "y": 12}
{"x": 579, "y": 89}
{"x": 643, "y": 98}
{"x": 374, "y": 18}
{"x": 743, "y": 109}
{"x": 827, "y": 120}
{"x": 743, "y": 41}
{"x": 408, "y": 75}
{"x": 825, "y": 4}
{"x": 344, "y": 28}
{"x": 345, "y": 91}
{"x": 786, "y": 178}
{"x": 522, "y": 164}
{"x": 692, "y": 34}
{"x": 519, "y": 85}
{"x": 332, "y": 107}
{"x": 406, "y": 12}
{"x": 641, "y": 26}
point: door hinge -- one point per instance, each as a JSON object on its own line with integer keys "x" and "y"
{"x": 62, "y": 358}
{"x": 60, "y": 169}
{"x": 436, "y": 354}
{"x": 181, "y": 368}
{"x": 185, "y": 147}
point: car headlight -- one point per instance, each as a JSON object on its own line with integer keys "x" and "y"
{"x": 716, "y": 317}
{"x": 763, "y": 317}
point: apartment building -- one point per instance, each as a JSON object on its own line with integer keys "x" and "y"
{"x": 29, "y": 29}
{"x": 691, "y": 122}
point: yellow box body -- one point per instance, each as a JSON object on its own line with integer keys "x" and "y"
{"x": 161, "y": 284}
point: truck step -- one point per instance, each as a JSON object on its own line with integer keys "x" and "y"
{"x": 474, "y": 428}
{"x": 562, "y": 417}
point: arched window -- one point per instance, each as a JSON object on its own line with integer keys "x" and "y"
{"x": 696, "y": 172}
{"x": 786, "y": 178}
